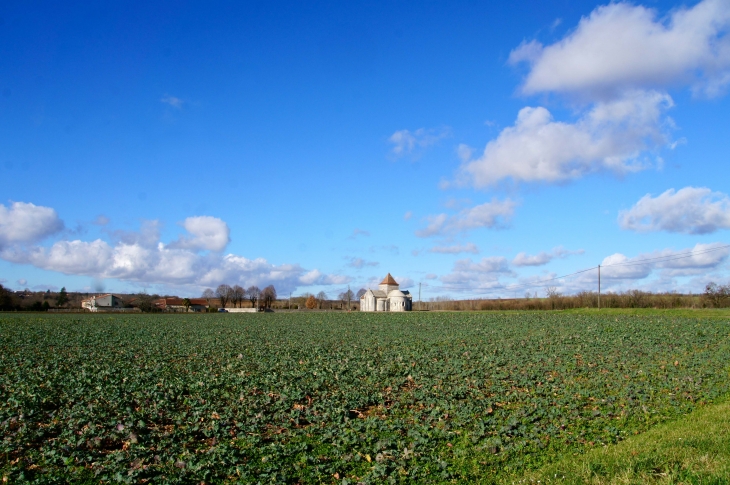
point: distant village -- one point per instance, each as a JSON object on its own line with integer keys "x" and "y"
{"x": 225, "y": 298}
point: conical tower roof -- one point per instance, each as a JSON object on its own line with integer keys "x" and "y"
{"x": 388, "y": 280}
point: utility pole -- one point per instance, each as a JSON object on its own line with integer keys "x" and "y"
{"x": 599, "y": 286}
{"x": 419, "y": 296}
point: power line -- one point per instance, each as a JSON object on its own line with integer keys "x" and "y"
{"x": 539, "y": 284}
{"x": 670, "y": 257}
{"x": 535, "y": 284}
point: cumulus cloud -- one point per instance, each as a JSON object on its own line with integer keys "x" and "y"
{"x": 621, "y": 47}
{"x": 542, "y": 258}
{"x": 456, "y": 249}
{"x": 141, "y": 257}
{"x": 691, "y": 210}
{"x": 615, "y": 68}
{"x": 23, "y": 222}
{"x": 668, "y": 263}
{"x": 163, "y": 265}
{"x": 316, "y": 277}
{"x": 469, "y": 275}
{"x": 407, "y": 216}
{"x": 494, "y": 214}
{"x": 406, "y": 142}
{"x": 206, "y": 233}
{"x": 148, "y": 235}
{"x": 609, "y": 137}
{"x": 491, "y": 264}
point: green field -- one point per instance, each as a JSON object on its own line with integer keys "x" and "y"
{"x": 341, "y": 398}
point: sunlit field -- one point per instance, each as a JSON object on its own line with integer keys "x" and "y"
{"x": 340, "y": 398}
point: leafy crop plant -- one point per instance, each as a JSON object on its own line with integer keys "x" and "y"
{"x": 338, "y": 398}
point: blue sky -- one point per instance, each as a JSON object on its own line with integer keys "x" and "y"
{"x": 478, "y": 148}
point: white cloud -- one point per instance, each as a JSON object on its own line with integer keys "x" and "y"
{"x": 23, "y": 222}
{"x": 617, "y": 64}
{"x": 624, "y": 270}
{"x": 621, "y": 47}
{"x": 691, "y": 210}
{"x": 609, "y": 137}
{"x": 704, "y": 257}
{"x": 542, "y": 258}
{"x": 404, "y": 282}
{"x": 315, "y": 277}
{"x": 162, "y": 265}
{"x": 142, "y": 258}
{"x": 456, "y": 249}
{"x": 22, "y": 282}
{"x": 173, "y": 101}
{"x": 209, "y": 233}
{"x": 148, "y": 235}
{"x": 361, "y": 263}
{"x": 431, "y": 276}
{"x": 492, "y": 214}
{"x": 405, "y": 142}
{"x": 468, "y": 275}
{"x": 668, "y": 262}
{"x": 407, "y": 216}
{"x": 491, "y": 264}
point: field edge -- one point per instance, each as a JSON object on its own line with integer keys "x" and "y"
{"x": 694, "y": 449}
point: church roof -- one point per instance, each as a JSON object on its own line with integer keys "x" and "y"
{"x": 388, "y": 280}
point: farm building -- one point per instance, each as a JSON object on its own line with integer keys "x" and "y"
{"x": 178, "y": 304}
{"x": 102, "y": 302}
{"x": 387, "y": 298}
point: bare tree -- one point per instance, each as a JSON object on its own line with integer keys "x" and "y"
{"x": 360, "y": 293}
{"x": 224, "y": 293}
{"x": 208, "y": 294}
{"x": 268, "y": 295}
{"x": 716, "y": 294}
{"x": 238, "y": 295}
{"x": 321, "y": 298}
{"x": 253, "y": 294}
{"x": 346, "y": 296}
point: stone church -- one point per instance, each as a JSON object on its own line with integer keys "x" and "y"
{"x": 387, "y": 298}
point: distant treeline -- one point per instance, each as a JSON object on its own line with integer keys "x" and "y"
{"x": 714, "y": 296}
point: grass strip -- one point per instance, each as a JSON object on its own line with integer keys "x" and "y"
{"x": 692, "y": 450}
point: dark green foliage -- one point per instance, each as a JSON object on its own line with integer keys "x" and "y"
{"x": 145, "y": 302}
{"x": 7, "y": 300}
{"x": 62, "y": 297}
{"x": 303, "y": 398}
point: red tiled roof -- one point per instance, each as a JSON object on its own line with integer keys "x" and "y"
{"x": 179, "y": 301}
{"x": 388, "y": 280}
